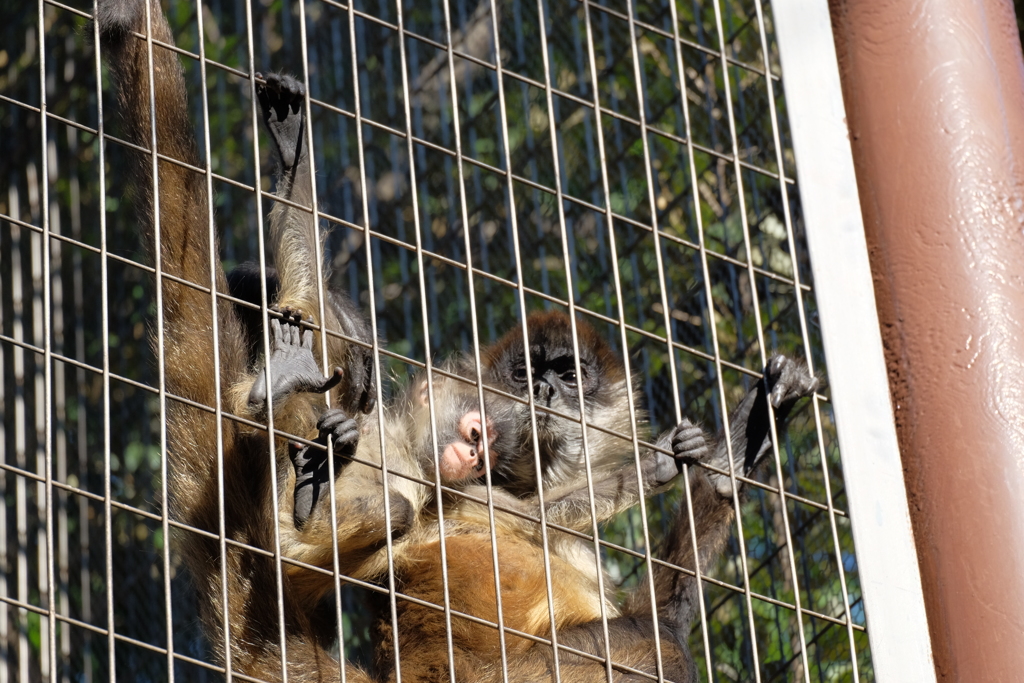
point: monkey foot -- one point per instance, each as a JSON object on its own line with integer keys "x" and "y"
{"x": 788, "y": 380}
{"x": 281, "y": 101}
{"x": 293, "y": 368}
{"x": 312, "y": 475}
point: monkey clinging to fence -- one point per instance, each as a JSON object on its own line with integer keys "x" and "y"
{"x": 549, "y": 371}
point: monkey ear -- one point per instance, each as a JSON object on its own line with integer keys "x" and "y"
{"x": 423, "y": 396}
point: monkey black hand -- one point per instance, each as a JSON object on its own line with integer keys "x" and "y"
{"x": 292, "y": 365}
{"x": 281, "y": 99}
{"x": 688, "y": 446}
{"x": 312, "y": 476}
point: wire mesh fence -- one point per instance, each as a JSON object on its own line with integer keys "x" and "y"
{"x": 629, "y": 162}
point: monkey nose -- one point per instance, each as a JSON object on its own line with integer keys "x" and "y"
{"x": 458, "y": 462}
{"x": 471, "y": 429}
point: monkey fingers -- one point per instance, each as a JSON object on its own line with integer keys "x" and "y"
{"x": 788, "y": 380}
{"x": 293, "y": 367}
{"x": 341, "y": 429}
{"x": 688, "y": 444}
{"x": 281, "y": 98}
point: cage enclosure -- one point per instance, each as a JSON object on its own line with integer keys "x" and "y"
{"x": 627, "y": 163}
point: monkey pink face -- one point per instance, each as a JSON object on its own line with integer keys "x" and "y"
{"x": 462, "y": 453}
{"x": 463, "y": 459}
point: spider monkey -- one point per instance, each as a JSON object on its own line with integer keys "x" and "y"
{"x": 575, "y": 589}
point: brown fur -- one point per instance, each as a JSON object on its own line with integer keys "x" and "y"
{"x": 574, "y": 569}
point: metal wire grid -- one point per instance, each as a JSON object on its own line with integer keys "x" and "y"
{"x": 464, "y": 189}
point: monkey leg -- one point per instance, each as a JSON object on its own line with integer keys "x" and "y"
{"x": 294, "y": 239}
{"x": 281, "y": 100}
{"x": 293, "y": 367}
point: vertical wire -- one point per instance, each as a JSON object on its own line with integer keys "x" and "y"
{"x": 20, "y": 426}
{"x": 805, "y": 336}
{"x": 737, "y": 169}
{"x": 105, "y": 348}
{"x": 372, "y": 298}
{"x": 40, "y": 408}
{"x": 726, "y": 427}
{"x": 521, "y": 299}
{"x": 471, "y": 291}
{"x": 218, "y": 407}
{"x": 692, "y": 166}
{"x": 51, "y": 635}
{"x": 59, "y": 408}
{"x": 5, "y": 650}
{"x": 271, "y": 433}
{"x": 161, "y": 359}
{"x": 421, "y": 276}
{"x": 666, "y": 311}
{"x": 542, "y": 26}
{"x": 78, "y": 304}
{"x": 321, "y": 303}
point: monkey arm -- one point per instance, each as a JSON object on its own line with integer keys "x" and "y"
{"x": 617, "y": 490}
{"x": 294, "y": 240}
{"x": 785, "y": 381}
{"x": 184, "y": 214}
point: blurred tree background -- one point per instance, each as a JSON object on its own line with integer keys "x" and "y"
{"x": 692, "y": 227}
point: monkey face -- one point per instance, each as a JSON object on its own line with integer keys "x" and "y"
{"x": 469, "y": 440}
{"x": 557, "y": 386}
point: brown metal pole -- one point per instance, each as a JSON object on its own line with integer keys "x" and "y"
{"x": 934, "y": 93}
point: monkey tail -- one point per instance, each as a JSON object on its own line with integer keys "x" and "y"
{"x": 184, "y": 215}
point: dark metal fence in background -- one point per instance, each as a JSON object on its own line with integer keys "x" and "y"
{"x": 642, "y": 159}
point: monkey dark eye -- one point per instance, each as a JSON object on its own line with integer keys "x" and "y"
{"x": 519, "y": 373}
{"x": 569, "y": 377}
